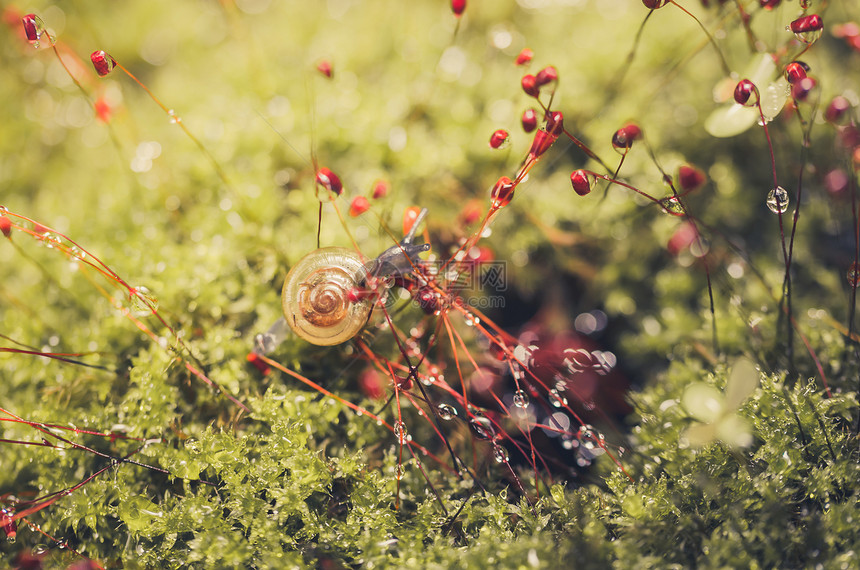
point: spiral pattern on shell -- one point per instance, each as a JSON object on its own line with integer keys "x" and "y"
{"x": 315, "y": 296}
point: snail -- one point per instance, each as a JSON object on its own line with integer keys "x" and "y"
{"x": 317, "y": 299}
{"x": 328, "y": 295}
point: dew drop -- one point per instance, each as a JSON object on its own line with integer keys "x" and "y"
{"x": 557, "y": 398}
{"x": 500, "y": 454}
{"x": 521, "y": 399}
{"x": 777, "y": 200}
{"x": 482, "y": 427}
{"x": 264, "y": 343}
{"x": 589, "y": 437}
{"x": 577, "y": 359}
{"x": 49, "y": 240}
{"x": 143, "y": 301}
{"x": 522, "y": 354}
{"x": 853, "y": 275}
{"x": 400, "y": 432}
{"x": 517, "y": 372}
{"x": 672, "y": 206}
{"x": 77, "y": 253}
{"x": 447, "y": 412}
{"x": 40, "y": 549}
{"x": 398, "y": 472}
{"x": 174, "y": 118}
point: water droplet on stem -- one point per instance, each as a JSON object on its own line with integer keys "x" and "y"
{"x": 521, "y": 399}
{"x": 400, "y": 432}
{"x": 482, "y": 427}
{"x": 777, "y": 200}
{"x": 500, "y": 454}
{"x": 143, "y": 301}
{"x": 447, "y": 412}
{"x": 853, "y": 275}
{"x": 672, "y": 205}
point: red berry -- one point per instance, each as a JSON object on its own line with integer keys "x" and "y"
{"x": 580, "y": 182}
{"x": 624, "y": 137}
{"x": 810, "y": 23}
{"x": 359, "y": 205}
{"x": 529, "y": 120}
{"x": 555, "y": 123}
{"x": 683, "y": 237}
{"x": 800, "y": 90}
{"x": 471, "y": 213}
{"x": 498, "y": 138}
{"x": 103, "y": 109}
{"x": 480, "y": 254}
{"x": 541, "y": 143}
{"x": 409, "y": 217}
{"x": 102, "y": 62}
{"x": 324, "y": 67}
{"x": 458, "y": 6}
{"x": 769, "y": 4}
{"x": 403, "y": 382}
{"x": 329, "y": 180}
{"x": 6, "y": 226}
{"x": 654, "y": 4}
{"x": 9, "y": 526}
{"x": 690, "y": 177}
{"x": 524, "y": 56}
{"x": 529, "y": 83}
{"x": 836, "y": 181}
{"x": 849, "y": 136}
{"x": 546, "y": 75}
{"x": 34, "y": 27}
{"x": 380, "y": 189}
{"x": 371, "y": 385}
{"x": 255, "y": 360}
{"x": 744, "y": 89}
{"x": 795, "y": 71}
{"x": 837, "y": 108}
{"x": 846, "y": 30}
{"x": 503, "y": 192}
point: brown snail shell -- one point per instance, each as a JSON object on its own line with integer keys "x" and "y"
{"x": 316, "y": 299}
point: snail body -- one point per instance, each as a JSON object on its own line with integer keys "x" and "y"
{"x": 328, "y": 295}
{"x": 318, "y": 296}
